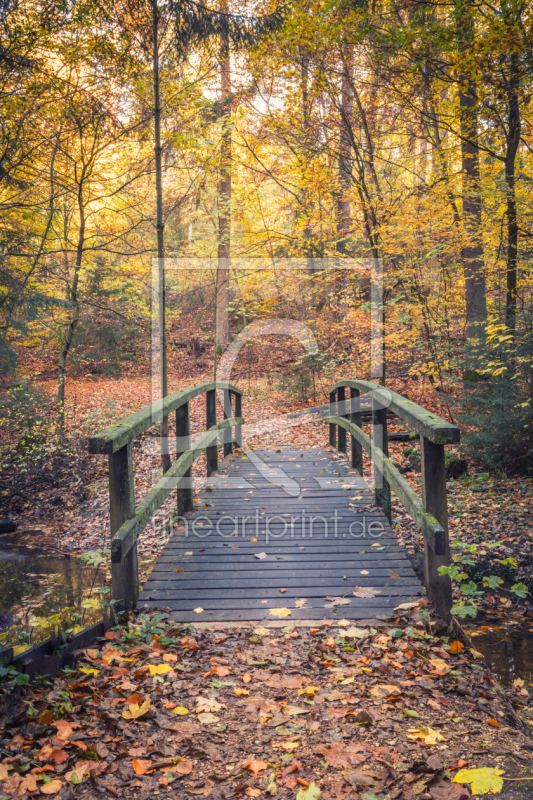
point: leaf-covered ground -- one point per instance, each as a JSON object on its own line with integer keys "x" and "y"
{"x": 391, "y": 712}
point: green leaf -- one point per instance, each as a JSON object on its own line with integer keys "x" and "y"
{"x": 311, "y": 793}
{"x": 520, "y": 589}
{"x": 410, "y": 713}
{"x": 492, "y": 581}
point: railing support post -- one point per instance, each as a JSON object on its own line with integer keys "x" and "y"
{"x": 125, "y": 575}
{"x": 183, "y": 443}
{"x": 211, "y": 453}
{"x": 380, "y": 444}
{"x": 238, "y": 413}
{"x": 332, "y": 426}
{"x": 356, "y": 448}
{"x": 439, "y": 587}
{"x": 341, "y": 396}
{"x": 227, "y": 434}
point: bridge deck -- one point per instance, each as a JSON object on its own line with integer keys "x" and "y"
{"x": 309, "y": 530}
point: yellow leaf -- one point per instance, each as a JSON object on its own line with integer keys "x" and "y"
{"x": 89, "y": 671}
{"x": 181, "y": 710}
{"x": 427, "y": 735}
{"x": 485, "y": 780}
{"x": 159, "y": 669}
{"x": 309, "y": 690}
{"x": 241, "y": 692}
{"x": 280, "y": 612}
{"x": 135, "y": 710}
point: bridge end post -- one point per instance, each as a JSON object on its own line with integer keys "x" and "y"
{"x": 380, "y": 444}
{"x": 183, "y": 443}
{"x": 227, "y": 434}
{"x": 238, "y": 413}
{"x": 341, "y": 396}
{"x": 356, "y": 448}
{"x": 124, "y": 575}
{"x": 332, "y": 426}
{"x": 211, "y": 453}
{"x": 439, "y": 587}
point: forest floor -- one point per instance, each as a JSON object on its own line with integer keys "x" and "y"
{"x": 394, "y": 710}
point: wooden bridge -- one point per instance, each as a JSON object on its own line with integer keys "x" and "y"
{"x": 299, "y": 531}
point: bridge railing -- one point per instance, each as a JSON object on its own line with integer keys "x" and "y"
{"x": 429, "y": 513}
{"x": 127, "y": 521}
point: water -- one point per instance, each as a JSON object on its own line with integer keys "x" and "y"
{"x": 42, "y": 587}
{"x": 506, "y": 641}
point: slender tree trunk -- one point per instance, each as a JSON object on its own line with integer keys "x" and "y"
{"x": 69, "y": 334}
{"x": 513, "y": 140}
{"x": 304, "y": 160}
{"x": 160, "y": 228}
{"x": 223, "y": 336}
{"x": 345, "y": 151}
{"x": 472, "y": 251}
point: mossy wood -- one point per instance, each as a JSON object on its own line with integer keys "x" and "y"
{"x": 116, "y": 436}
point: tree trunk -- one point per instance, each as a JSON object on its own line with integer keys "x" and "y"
{"x": 223, "y": 336}
{"x": 69, "y": 336}
{"x": 513, "y": 140}
{"x": 345, "y": 151}
{"x": 472, "y": 250}
{"x": 160, "y": 228}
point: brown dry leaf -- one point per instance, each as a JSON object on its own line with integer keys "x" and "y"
{"x": 293, "y": 711}
{"x": 52, "y": 788}
{"x": 80, "y": 770}
{"x": 247, "y": 677}
{"x": 260, "y": 555}
{"x": 181, "y": 768}
{"x": 301, "y": 602}
{"x": 339, "y": 755}
{"x": 207, "y": 718}
{"x": 366, "y": 591}
{"x": 257, "y": 766}
{"x": 205, "y": 704}
{"x": 142, "y": 766}
{"x": 337, "y": 601}
{"x": 170, "y": 657}
{"x": 282, "y": 591}
{"x": 251, "y": 792}
{"x": 383, "y": 689}
{"x": 64, "y": 729}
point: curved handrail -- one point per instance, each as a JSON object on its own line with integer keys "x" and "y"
{"x": 431, "y": 426}
{"x": 125, "y": 430}
{"x": 127, "y": 534}
{"x": 411, "y": 501}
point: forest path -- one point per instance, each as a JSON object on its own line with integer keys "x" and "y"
{"x": 313, "y": 534}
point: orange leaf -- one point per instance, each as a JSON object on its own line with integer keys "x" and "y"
{"x": 247, "y": 677}
{"x": 395, "y": 576}
{"x": 51, "y": 788}
{"x": 494, "y": 723}
{"x": 133, "y": 698}
{"x": 142, "y": 766}
{"x": 179, "y": 570}
{"x": 282, "y": 591}
{"x": 257, "y": 766}
{"x": 456, "y": 646}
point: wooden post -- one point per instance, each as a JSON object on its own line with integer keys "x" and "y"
{"x": 332, "y": 426}
{"x": 356, "y": 447}
{"x": 227, "y": 434}
{"x": 341, "y": 396}
{"x": 238, "y": 413}
{"x": 439, "y": 587}
{"x": 183, "y": 431}
{"x": 211, "y": 453}
{"x": 125, "y": 576}
{"x": 380, "y": 442}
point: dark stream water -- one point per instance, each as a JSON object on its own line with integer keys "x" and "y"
{"x": 39, "y": 582}
{"x": 507, "y": 645}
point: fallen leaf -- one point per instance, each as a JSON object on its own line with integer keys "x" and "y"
{"x": 170, "y": 657}
{"x": 384, "y": 689}
{"x": 52, "y": 788}
{"x": 205, "y": 704}
{"x": 251, "y": 792}
{"x": 260, "y": 555}
{"x": 312, "y": 792}
{"x": 198, "y": 610}
{"x": 240, "y": 691}
{"x": 427, "y": 735}
{"x": 456, "y": 646}
{"x": 207, "y": 718}
{"x": 141, "y": 767}
{"x": 182, "y": 767}
{"x": 180, "y": 710}
{"x": 366, "y": 591}
{"x": 159, "y": 669}
{"x": 261, "y": 631}
{"x": 292, "y": 711}
{"x": 135, "y": 710}
{"x": 88, "y": 671}
{"x": 301, "y": 602}
{"x": 282, "y": 591}
{"x": 257, "y": 766}
{"x": 338, "y": 601}
{"x": 357, "y": 777}
{"x": 280, "y": 612}
{"x": 404, "y": 606}
{"x": 356, "y": 633}
{"x": 247, "y": 677}
{"x": 494, "y": 723}
{"x": 485, "y": 780}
